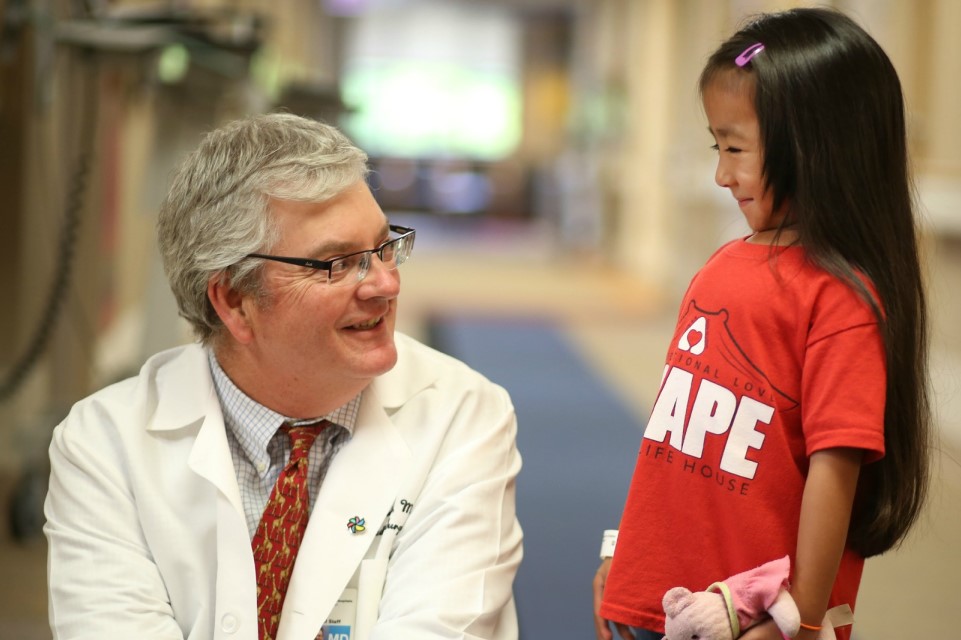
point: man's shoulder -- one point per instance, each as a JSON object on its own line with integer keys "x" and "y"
{"x": 179, "y": 367}
{"x": 420, "y": 366}
{"x": 416, "y": 358}
{"x": 409, "y": 348}
{"x": 429, "y": 394}
{"x": 161, "y": 365}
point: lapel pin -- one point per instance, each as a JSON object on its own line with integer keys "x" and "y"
{"x": 356, "y": 525}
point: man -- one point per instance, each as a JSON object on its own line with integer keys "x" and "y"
{"x": 163, "y": 518}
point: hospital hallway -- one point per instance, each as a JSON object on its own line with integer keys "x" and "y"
{"x": 552, "y": 156}
{"x": 509, "y": 285}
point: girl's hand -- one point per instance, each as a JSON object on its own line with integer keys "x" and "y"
{"x": 601, "y": 626}
{"x": 766, "y": 630}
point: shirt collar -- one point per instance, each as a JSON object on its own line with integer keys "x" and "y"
{"x": 254, "y": 425}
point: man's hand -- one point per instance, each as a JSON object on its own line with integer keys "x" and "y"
{"x": 601, "y": 626}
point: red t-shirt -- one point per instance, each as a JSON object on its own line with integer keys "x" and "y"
{"x": 772, "y": 359}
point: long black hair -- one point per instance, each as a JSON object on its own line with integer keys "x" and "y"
{"x": 832, "y": 125}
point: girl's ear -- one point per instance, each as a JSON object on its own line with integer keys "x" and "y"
{"x": 231, "y": 307}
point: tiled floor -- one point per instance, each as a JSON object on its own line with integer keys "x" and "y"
{"x": 621, "y": 326}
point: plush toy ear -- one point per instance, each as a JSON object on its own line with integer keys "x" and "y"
{"x": 676, "y": 600}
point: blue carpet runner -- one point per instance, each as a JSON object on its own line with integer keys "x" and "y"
{"x": 579, "y": 443}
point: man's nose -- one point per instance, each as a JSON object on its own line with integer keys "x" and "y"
{"x": 382, "y": 280}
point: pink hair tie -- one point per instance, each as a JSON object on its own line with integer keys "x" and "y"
{"x": 748, "y": 53}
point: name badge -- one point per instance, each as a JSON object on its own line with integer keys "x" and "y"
{"x": 340, "y": 624}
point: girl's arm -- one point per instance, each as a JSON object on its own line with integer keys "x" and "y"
{"x": 822, "y": 533}
{"x": 823, "y": 530}
{"x": 601, "y": 625}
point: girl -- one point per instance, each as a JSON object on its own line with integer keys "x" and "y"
{"x": 793, "y": 412}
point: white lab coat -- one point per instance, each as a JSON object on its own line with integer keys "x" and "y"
{"x": 147, "y": 536}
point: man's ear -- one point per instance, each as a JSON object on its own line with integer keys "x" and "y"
{"x": 231, "y": 307}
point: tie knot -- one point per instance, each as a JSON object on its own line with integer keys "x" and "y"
{"x": 302, "y": 436}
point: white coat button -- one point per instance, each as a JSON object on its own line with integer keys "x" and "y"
{"x": 229, "y": 623}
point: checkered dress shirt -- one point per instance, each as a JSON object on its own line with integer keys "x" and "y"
{"x": 259, "y": 451}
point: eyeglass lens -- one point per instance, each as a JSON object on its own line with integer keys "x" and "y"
{"x": 355, "y": 268}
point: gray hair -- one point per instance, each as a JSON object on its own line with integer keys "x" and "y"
{"x": 216, "y": 211}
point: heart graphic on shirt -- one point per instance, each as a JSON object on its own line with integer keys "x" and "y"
{"x": 695, "y": 338}
{"x": 700, "y": 328}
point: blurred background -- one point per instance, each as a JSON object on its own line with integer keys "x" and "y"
{"x": 553, "y": 157}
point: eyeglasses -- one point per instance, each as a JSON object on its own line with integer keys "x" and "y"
{"x": 353, "y": 267}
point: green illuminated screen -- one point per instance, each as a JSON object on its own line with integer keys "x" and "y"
{"x": 417, "y": 109}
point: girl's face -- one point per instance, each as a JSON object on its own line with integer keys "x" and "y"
{"x": 729, "y": 104}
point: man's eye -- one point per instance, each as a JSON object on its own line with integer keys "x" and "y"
{"x": 347, "y": 263}
{"x": 343, "y": 264}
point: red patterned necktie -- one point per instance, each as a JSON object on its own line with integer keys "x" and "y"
{"x": 282, "y": 528}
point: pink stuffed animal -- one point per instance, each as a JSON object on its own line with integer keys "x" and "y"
{"x": 729, "y": 608}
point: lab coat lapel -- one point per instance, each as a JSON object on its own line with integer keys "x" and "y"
{"x": 210, "y": 455}
{"x": 361, "y": 482}
{"x": 210, "y": 459}
{"x": 189, "y": 397}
